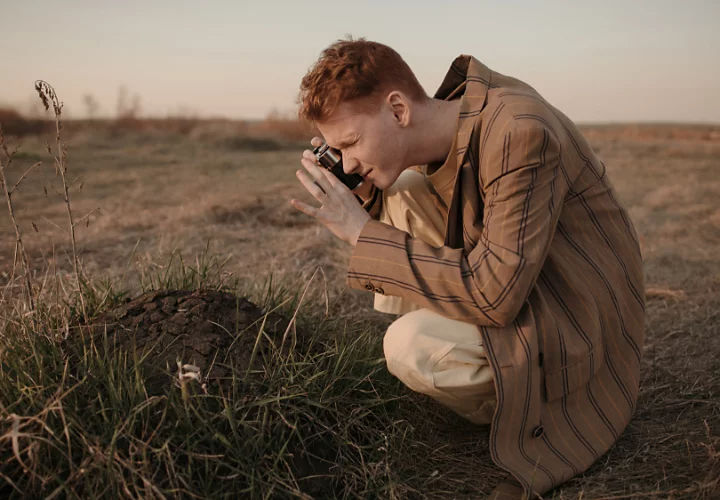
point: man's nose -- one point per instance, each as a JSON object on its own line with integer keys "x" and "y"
{"x": 350, "y": 165}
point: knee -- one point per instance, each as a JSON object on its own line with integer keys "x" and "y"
{"x": 398, "y": 337}
{"x": 403, "y": 346}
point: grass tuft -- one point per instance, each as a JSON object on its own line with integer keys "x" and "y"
{"x": 77, "y": 420}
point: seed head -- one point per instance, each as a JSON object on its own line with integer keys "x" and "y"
{"x": 48, "y": 96}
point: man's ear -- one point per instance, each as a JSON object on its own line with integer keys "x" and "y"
{"x": 400, "y": 107}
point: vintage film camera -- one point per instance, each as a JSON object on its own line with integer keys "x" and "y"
{"x": 332, "y": 160}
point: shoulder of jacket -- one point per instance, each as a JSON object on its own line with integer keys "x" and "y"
{"x": 516, "y": 109}
{"x": 518, "y": 103}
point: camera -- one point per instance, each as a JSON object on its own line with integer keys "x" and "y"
{"x": 332, "y": 160}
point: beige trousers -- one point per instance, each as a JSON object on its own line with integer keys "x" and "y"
{"x": 429, "y": 353}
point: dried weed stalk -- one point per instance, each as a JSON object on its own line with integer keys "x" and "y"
{"x": 48, "y": 96}
{"x": 19, "y": 246}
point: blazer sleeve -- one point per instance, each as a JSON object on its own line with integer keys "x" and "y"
{"x": 523, "y": 185}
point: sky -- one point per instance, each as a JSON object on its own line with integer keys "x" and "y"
{"x": 599, "y": 61}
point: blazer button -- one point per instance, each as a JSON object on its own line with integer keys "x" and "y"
{"x": 380, "y": 290}
{"x": 538, "y": 431}
{"x": 369, "y": 287}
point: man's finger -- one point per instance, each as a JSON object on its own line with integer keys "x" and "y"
{"x": 310, "y": 156}
{"x": 314, "y": 187}
{"x": 332, "y": 178}
{"x": 304, "y": 207}
{"x": 318, "y": 185}
{"x": 318, "y": 174}
{"x": 316, "y": 141}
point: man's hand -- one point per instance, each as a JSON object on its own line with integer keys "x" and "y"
{"x": 363, "y": 191}
{"x": 340, "y": 211}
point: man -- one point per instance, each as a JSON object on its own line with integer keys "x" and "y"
{"x": 489, "y": 223}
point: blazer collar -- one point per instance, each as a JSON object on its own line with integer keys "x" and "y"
{"x": 469, "y": 80}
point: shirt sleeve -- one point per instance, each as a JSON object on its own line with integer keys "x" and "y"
{"x": 523, "y": 187}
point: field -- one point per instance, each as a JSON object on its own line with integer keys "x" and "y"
{"x": 162, "y": 194}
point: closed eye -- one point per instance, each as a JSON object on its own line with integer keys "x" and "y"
{"x": 345, "y": 145}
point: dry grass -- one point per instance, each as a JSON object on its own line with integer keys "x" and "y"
{"x": 283, "y": 129}
{"x": 160, "y": 189}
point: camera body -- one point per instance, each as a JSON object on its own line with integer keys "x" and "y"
{"x": 332, "y": 160}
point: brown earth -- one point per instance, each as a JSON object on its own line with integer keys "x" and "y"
{"x": 212, "y": 331}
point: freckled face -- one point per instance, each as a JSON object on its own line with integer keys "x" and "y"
{"x": 369, "y": 141}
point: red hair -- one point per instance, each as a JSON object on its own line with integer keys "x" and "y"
{"x": 353, "y": 69}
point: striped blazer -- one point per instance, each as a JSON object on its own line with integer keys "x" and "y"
{"x": 540, "y": 254}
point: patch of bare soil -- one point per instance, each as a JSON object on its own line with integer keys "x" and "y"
{"x": 211, "y": 330}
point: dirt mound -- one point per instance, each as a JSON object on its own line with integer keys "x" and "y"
{"x": 211, "y": 330}
{"x": 215, "y": 332}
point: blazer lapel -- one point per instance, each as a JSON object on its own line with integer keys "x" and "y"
{"x": 470, "y": 79}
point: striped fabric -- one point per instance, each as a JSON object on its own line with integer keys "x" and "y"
{"x": 543, "y": 258}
